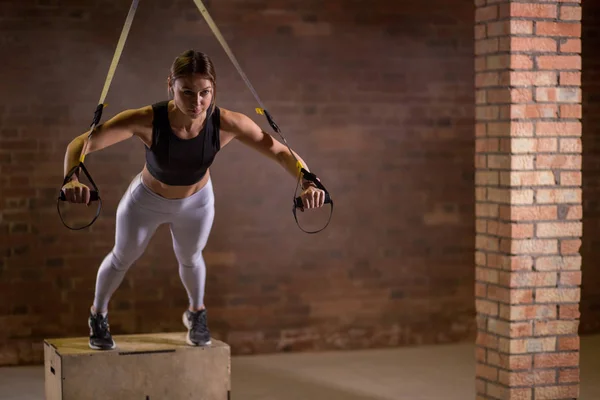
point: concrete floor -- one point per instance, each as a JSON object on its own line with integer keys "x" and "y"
{"x": 444, "y": 372}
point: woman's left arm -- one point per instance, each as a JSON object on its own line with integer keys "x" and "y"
{"x": 243, "y": 128}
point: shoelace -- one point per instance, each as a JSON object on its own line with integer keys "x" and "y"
{"x": 199, "y": 322}
{"x": 102, "y": 327}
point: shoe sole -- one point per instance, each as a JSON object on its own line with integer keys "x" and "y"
{"x": 187, "y": 337}
{"x": 114, "y": 345}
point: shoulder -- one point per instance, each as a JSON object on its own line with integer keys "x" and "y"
{"x": 235, "y": 122}
{"x": 136, "y": 116}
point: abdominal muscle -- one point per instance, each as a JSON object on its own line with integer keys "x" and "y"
{"x": 172, "y": 192}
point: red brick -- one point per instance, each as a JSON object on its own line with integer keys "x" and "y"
{"x": 528, "y": 279}
{"x": 486, "y": 210}
{"x": 487, "y": 113}
{"x": 570, "y": 278}
{"x": 568, "y": 13}
{"x": 558, "y": 161}
{"x": 487, "y": 307}
{"x": 558, "y": 128}
{"x": 570, "y": 375}
{"x": 573, "y": 212}
{"x": 543, "y": 78}
{"x": 487, "y": 341}
{"x": 537, "y": 178}
{"x": 487, "y": 79}
{"x": 480, "y": 64}
{"x": 486, "y": 178}
{"x": 560, "y": 94}
{"x": 555, "y": 328}
{"x": 480, "y": 354}
{"x": 487, "y": 145}
{"x": 571, "y": 111}
{"x": 570, "y": 79}
{"x": 515, "y": 362}
{"x": 486, "y": 13}
{"x": 571, "y": 179}
{"x": 498, "y": 96}
{"x": 559, "y": 229}
{"x": 556, "y": 263}
{"x": 545, "y": 28}
{"x": 480, "y": 31}
{"x": 520, "y": 27}
{"x": 552, "y": 360}
{"x": 486, "y": 372}
{"x": 510, "y": 263}
{"x": 557, "y": 196}
{"x": 569, "y": 311}
{"x": 480, "y": 129}
{"x": 534, "y": 111}
{"x": 526, "y": 145}
{"x": 560, "y": 295}
{"x": 570, "y": 246}
{"x": 556, "y": 392}
{"x": 570, "y": 46}
{"x": 537, "y": 45}
{"x": 529, "y": 10}
{"x": 519, "y": 313}
{"x": 480, "y": 289}
{"x": 529, "y": 378}
{"x": 559, "y": 62}
{"x": 568, "y": 343}
{"x": 486, "y": 46}
{"x": 521, "y": 95}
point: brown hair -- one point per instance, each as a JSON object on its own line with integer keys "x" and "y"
{"x": 194, "y": 62}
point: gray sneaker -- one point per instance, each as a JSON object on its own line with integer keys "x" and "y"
{"x": 100, "y": 337}
{"x": 198, "y": 333}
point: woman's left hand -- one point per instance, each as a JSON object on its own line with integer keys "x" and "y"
{"x": 312, "y": 197}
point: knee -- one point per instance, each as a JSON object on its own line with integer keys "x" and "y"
{"x": 191, "y": 260}
{"x": 120, "y": 261}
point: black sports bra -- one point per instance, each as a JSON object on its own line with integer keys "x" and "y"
{"x": 181, "y": 162}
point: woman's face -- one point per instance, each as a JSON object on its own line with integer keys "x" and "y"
{"x": 192, "y": 94}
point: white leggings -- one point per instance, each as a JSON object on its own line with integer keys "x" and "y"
{"x": 139, "y": 213}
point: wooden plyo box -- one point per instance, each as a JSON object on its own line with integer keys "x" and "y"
{"x": 156, "y": 366}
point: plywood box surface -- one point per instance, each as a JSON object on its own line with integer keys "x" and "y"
{"x": 155, "y": 366}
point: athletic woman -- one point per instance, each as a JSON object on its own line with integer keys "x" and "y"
{"x": 181, "y": 136}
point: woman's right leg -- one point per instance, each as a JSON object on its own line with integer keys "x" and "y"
{"x": 135, "y": 225}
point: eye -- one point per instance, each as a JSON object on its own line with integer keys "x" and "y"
{"x": 188, "y": 92}
{"x": 205, "y": 93}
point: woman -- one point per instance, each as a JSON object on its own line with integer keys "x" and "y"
{"x": 182, "y": 137}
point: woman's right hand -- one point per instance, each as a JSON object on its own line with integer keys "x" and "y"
{"x": 76, "y": 192}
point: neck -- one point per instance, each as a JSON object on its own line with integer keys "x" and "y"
{"x": 186, "y": 122}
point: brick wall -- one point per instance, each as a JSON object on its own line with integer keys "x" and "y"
{"x": 528, "y": 199}
{"x": 377, "y": 99}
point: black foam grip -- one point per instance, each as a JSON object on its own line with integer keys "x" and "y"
{"x": 93, "y": 196}
{"x": 300, "y": 205}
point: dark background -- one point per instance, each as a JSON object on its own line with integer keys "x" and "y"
{"x": 378, "y": 100}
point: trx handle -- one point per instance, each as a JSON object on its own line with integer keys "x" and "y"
{"x": 94, "y": 195}
{"x": 309, "y": 176}
{"x": 262, "y": 111}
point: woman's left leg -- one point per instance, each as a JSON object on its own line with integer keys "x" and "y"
{"x": 190, "y": 231}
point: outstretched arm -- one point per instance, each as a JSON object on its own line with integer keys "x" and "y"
{"x": 241, "y": 127}
{"x": 244, "y": 129}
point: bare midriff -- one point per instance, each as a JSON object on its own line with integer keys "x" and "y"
{"x": 172, "y": 192}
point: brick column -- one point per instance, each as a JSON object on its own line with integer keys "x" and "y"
{"x": 528, "y": 198}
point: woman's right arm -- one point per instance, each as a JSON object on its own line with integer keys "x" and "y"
{"x": 117, "y": 129}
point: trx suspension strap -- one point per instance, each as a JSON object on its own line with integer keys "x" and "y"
{"x": 302, "y": 172}
{"x": 94, "y": 194}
